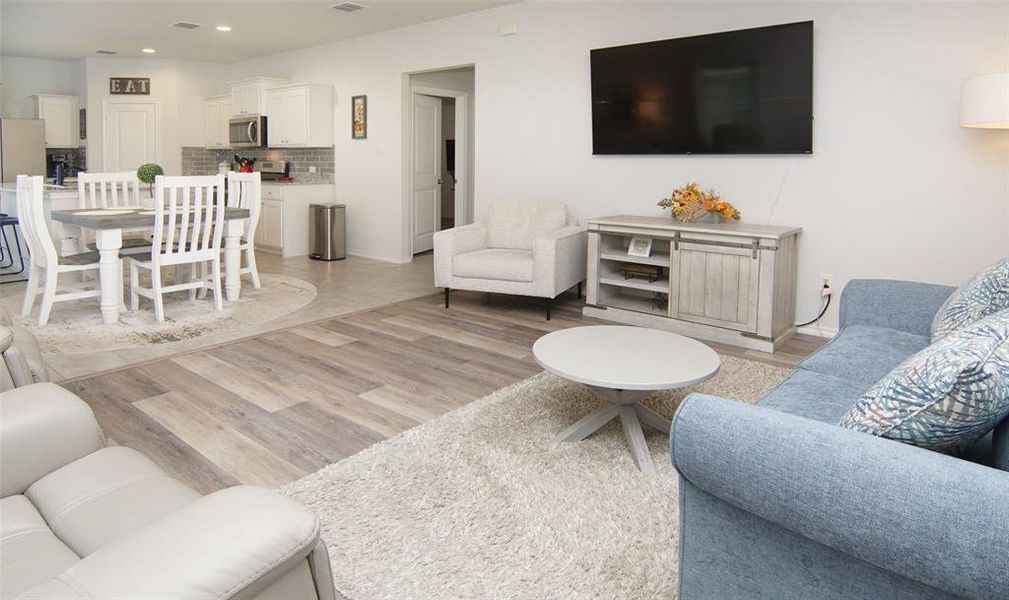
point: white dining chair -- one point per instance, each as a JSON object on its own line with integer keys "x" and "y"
{"x": 245, "y": 191}
{"x": 111, "y": 191}
{"x": 188, "y": 227}
{"x": 45, "y": 265}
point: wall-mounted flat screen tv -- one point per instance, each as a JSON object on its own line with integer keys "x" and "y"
{"x": 738, "y": 92}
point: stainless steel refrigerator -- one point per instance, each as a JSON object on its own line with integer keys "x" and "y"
{"x": 22, "y": 148}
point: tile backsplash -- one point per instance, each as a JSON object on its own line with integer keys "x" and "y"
{"x": 203, "y": 161}
{"x": 75, "y": 158}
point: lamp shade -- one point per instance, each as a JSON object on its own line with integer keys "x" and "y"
{"x": 984, "y": 101}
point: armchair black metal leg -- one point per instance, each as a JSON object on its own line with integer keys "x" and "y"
{"x": 579, "y": 290}
{"x": 446, "y": 296}
{"x": 549, "y": 306}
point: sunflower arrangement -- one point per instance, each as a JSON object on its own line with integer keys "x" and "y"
{"x": 691, "y": 204}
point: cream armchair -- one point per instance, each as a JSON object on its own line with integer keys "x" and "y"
{"x": 524, "y": 248}
{"x": 79, "y": 519}
{"x": 22, "y": 362}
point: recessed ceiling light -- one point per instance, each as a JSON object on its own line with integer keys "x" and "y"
{"x": 349, "y": 6}
{"x": 148, "y": 50}
{"x": 224, "y": 28}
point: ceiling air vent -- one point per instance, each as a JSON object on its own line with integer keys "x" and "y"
{"x": 186, "y": 25}
{"x": 349, "y": 6}
{"x": 106, "y": 52}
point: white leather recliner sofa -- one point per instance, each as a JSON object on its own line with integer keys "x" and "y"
{"x": 524, "y": 248}
{"x": 79, "y": 519}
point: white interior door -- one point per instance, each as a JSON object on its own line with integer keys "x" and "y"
{"x": 131, "y": 135}
{"x": 426, "y": 171}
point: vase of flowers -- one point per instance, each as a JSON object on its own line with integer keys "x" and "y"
{"x": 691, "y": 204}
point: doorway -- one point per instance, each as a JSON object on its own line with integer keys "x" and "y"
{"x": 131, "y": 134}
{"x": 438, "y": 154}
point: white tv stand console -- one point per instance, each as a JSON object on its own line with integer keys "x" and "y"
{"x": 730, "y": 282}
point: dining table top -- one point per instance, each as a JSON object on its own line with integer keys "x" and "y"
{"x": 124, "y": 218}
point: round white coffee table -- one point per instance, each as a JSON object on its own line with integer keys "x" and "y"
{"x": 624, "y": 364}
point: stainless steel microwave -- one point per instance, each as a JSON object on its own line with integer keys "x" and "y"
{"x": 247, "y": 132}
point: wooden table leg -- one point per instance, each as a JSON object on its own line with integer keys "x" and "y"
{"x": 626, "y": 405}
{"x": 589, "y": 424}
{"x": 636, "y": 439}
{"x": 650, "y": 418}
{"x": 110, "y": 272}
{"x": 233, "y": 230}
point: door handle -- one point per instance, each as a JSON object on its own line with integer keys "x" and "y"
{"x": 252, "y": 128}
{"x": 440, "y": 181}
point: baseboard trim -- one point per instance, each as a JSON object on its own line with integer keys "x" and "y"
{"x": 818, "y": 331}
{"x": 399, "y": 260}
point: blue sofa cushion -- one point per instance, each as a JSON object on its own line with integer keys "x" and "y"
{"x": 814, "y": 395}
{"x": 863, "y": 354}
{"x": 984, "y": 294}
{"x": 946, "y": 396}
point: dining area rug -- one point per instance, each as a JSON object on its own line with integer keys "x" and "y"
{"x": 483, "y": 503}
{"x": 77, "y": 327}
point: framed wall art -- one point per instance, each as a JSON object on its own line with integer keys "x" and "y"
{"x": 359, "y": 117}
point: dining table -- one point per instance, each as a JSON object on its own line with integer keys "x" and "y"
{"x": 108, "y": 225}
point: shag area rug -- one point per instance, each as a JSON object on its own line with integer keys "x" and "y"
{"x": 482, "y": 503}
{"x": 77, "y": 327}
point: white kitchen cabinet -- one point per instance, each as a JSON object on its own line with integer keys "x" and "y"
{"x": 270, "y": 231}
{"x": 62, "y": 120}
{"x": 248, "y": 96}
{"x": 300, "y": 115}
{"x": 217, "y": 112}
{"x": 283, "y": 219}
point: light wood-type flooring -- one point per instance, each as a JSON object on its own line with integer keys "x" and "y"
{"x": 270, "y": 409}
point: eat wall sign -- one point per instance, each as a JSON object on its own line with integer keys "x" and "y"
{"x": 130, "y": 85}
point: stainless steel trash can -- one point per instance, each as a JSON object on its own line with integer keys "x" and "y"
{"x": 327, "y": 231}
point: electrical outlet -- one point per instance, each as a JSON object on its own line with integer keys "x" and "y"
{"x": 312, "y": 169}
{"x": 826, "y": 283}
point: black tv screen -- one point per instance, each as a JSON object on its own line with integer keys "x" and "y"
{"x": 739, "y": 92}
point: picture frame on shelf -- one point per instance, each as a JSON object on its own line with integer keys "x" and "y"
{"x": 359, "y": 117}
{"x": 640, "y": 247}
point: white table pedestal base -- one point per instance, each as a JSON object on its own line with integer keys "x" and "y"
{"x": 626, "y": 405}
{"x": 110, "y": 272}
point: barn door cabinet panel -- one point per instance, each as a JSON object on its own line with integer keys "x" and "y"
{"x": 732, "y": 282}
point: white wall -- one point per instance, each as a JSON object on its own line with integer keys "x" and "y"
{"x": 179, "y": 87}
{"x": 895, "y": 188}
{"x": 24, "y": 77}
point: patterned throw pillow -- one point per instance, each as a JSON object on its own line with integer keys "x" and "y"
{"x": 945, "y": 397}
{"x": 984, "y": 294}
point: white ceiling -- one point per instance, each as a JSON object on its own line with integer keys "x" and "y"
{"x": 75, "y": 29}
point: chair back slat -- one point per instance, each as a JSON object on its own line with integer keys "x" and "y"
{"x": 189, "y": 219}
{"x": 108, "y": 190}
{"x": 245, "y": 191}
{"x": 32, "y": 218}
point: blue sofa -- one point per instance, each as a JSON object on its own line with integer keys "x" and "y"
{"x": 777, "y": 501}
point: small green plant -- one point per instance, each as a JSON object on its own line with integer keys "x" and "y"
{"x": 148, "y": 172}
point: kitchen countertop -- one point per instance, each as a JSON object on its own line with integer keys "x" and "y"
{"x": 297, "y": 182}
{"x": 12, "y": 187}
